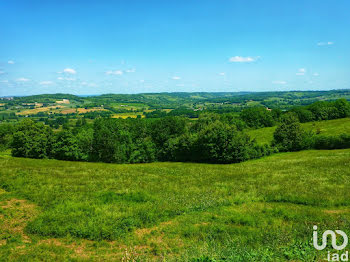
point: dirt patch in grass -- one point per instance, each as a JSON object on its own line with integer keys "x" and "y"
{"x": 78, "y": 249}
{"x": 146, "y": 231}
{"x": 17, "y": 213}
{"x": 336, "y": 211}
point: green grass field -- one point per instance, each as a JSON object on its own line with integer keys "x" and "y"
{"x": 261, "y": 210}
{"x": 327, "y": 127}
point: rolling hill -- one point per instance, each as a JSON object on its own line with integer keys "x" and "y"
{"x": 326, "y": 127}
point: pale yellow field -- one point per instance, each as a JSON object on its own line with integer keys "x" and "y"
{"x": 69, "y": 111}
{"x": 37, "y": 110}
{"x": 126, "y": 115}
{"x": 62, "y": 102}
{"x": 83, "y": 110}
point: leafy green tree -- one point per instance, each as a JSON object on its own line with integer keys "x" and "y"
{"x": 205, "y": 119}
{"x": 6, "y": 132}
{"x": 143, "y": 151}
{"x": 221, "y": 143}
{"x": 289, "y": 136}
{"x": 181, "y": 148}
{"x": 303, "y": 114}
{"x": 164, "y": 129}
{"x": 257, "y": 117}
{"x": 65, "y": 146}
{"x": 343, "y": 108}
{"x": 112, "y": 141}
{"x": 33, "y": 140}
{"x": 84, "y": 138}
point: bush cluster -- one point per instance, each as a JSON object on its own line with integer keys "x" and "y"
{"x": 289, "y": 136}
{"x": 323, "y": 110}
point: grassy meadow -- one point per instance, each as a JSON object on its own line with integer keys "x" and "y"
{"x": 260, "y": 210}
{"x": 326, "y": 127}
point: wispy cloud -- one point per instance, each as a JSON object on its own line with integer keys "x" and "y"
{"x": 2, "y": 72}
{"x": 279, "y": 82}
{"x": 88, "y": 84}
{"x": 316, "y": 74}
{"x": 222, "y": 74}
{"x": 176, "y": 78}
{"x": 4, "y": 81}
{"x": 46, "y": 83}
{"x": 325, "y": 43}
{"x": 66, "y": 78}
{"x": 241, "y": 59}
{"x": 115, "y": 72}
{"x": 69, "y": 71}
{"x": 301, "y": 72}
{"x": 10, "y": 62}
{"x": 22, "y": 79}
{"x": 132, "y": 70}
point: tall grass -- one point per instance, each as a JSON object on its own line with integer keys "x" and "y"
{"x": 261, "y": 210}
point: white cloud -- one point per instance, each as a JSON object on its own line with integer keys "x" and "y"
{"x": 316, "y": 74}
{"x": 279, "y": 82}
{"x": 241, "y": 59}
{"x": 46, "y": 83}
{"x": 325, "y": 43}
{"x": 10, "y": 62}
{"x": 2, "y": 72}
{"x": 176, "y": 78}
{"x": 22, "y": 79}
{"x": 132, "y": 70}
{"x": 116, "y": 72}
{"x": 222, "y": 73}
{"x": 142, "y": 81}
{"x": 69, "y": 71}
{"x": 60, "y": 78}
{"x": 4, "y": 81}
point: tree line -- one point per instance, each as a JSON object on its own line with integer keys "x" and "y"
{"x": 212, "y": 138}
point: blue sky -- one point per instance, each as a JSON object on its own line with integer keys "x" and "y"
{"x": 96, "y": 47}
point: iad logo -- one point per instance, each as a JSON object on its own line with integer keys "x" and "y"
{"x": 335, "y": 256}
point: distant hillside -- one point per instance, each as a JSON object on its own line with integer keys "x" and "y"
{"x": 326, "y": 127}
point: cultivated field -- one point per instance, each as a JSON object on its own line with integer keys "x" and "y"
{"x": 261, "y": 210}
